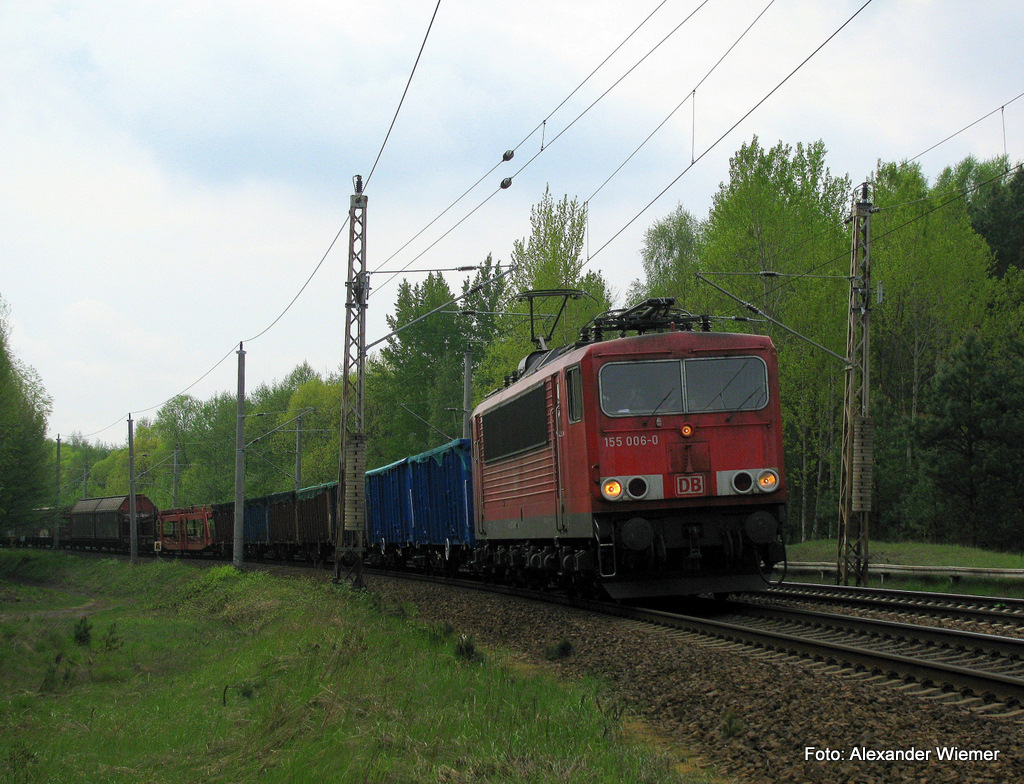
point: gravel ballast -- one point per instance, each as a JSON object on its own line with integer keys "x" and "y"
{"x": 753, "y": 716}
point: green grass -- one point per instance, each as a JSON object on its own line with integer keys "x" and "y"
{"x": 917, "y": 554}
{"x": 912, "y": 554}
{"x": 216, "y": 675}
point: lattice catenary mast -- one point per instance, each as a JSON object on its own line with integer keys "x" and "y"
{"x": 351, "y": 510}
{"x": 858, "y": 430}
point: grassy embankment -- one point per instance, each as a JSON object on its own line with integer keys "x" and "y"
{"x": 179, "y": 674}
{"x": 914, "y": 554}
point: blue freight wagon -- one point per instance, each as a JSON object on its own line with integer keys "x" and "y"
{"x": 422, "y": 505}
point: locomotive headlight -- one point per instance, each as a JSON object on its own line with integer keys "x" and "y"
{"x": 611, "y": 489}
{"x": 637, "y": 487}
{"x": 686, "y": 430}
{"x": 742, "y": 481}
{"x": 767, "y": 481}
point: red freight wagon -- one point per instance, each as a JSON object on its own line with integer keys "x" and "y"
{"x": 185, "y": 530}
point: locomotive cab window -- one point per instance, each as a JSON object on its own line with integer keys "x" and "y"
{"x": 574, "y": 393}
{"x": 638, "y": 388}
{"x": 726, "y": 384}
{"x": 690, "y": 386}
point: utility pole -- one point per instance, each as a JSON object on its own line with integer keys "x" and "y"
{"x": 174, "y": 496}
{"x": 238, "y": 549}
{"x": 133, "y": 518}
{"x": 298, "y": 451}
{"x": 858, "y": 430}
{"x": 351, "y": 511}
{"x": 467, "y": 392}
{"x": 56, "y": 502}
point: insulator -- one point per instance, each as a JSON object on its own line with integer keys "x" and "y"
{"x": 508, "y": 155}
{"x": 506, "y": 183}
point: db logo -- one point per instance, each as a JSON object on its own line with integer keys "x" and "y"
{"x": 690, "y": 485}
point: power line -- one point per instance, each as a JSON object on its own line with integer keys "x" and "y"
{"x": 323, "y": 258}
{"x": 508, "y": 155}
{"x": 404, "y": 93}
{"x": 809, "y": 273}
{"x": 691, "y": 95}
{"x": 960, "y": 195}
{"x": 730, "y": 130}
{"x": 967, "y": 127}
{"x": 612, "y": 87}
{"x": 553, "y": 140}
{"x": 373, "y": 168}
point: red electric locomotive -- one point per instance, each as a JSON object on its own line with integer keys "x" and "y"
{"x": 651, "y": 464}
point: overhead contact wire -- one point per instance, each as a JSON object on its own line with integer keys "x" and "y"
{"x": 373, "y": 168}
{"x": 526, "y": 138}
{"x": 731, "y": 129}
{"x": 690, "y": 96}
{"x": 875, "y": 238}
{"x": 330, "y": 247}
{"x": 615, "y": 84}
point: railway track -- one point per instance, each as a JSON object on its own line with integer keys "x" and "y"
{"x": 948, "y": 664}
{"x": 1007, "y": 612}
{"x": 980, "y": 672}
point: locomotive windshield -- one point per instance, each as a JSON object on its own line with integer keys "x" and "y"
{"x": 632, "y": 388}
{"x": 712, "y": 384}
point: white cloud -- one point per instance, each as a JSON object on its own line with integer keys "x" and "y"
{"x": 185, "y": 164}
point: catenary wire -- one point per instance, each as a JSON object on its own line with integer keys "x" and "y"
{"x": 790, "y": 248}
{"x": 373, "y": 168}
{"x": 615, "y": 84}
{"x": 526, "y": 138}
{"x": 692, "y": 94}
{"x": 729, "y": 131}
{"x": 326, "y": 253}
{"x": 966, "y": 127}
{"x": 876, "y": 238}
{"x": 404, "y": 93}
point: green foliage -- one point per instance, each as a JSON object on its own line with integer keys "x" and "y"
{"x": 80, "y": 477}
{"x": 671, "y": 256}
{"x": 970, "y": 434}
{"x": 196, "y": 440}
{"x": 83, "y": 632}
{"x": 332, "y": 688}
{"x": 26, "y": 473}
{"x": 550, "y": 258}
{"x": 781, "y": 213}
{"x": 995, "y": 204}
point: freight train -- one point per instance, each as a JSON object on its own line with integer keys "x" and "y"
{"x": 643, "y": 460}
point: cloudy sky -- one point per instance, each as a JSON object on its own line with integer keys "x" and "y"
{"x": 173, "y": 172}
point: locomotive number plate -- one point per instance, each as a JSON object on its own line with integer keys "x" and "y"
{"x": 692, "y": 484}
{"x": 640, "y": 440}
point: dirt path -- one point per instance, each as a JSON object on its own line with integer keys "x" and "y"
{"x": 9, "y": 600}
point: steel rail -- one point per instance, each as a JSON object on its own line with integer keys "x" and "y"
{"x": 995, "y": 687}
{"x": 977, "y": 608}
{"x": 1011, "y": 648}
